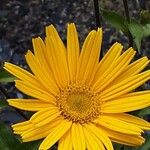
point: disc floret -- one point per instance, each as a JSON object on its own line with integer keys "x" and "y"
{"x": 78, "y": 103}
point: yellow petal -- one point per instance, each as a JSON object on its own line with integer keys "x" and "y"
{"x": 92, "y": 142}
{"x": 55, "y": 135}
{"x": 45, "y": 116}
{"x": 114, "y": 70}
{"x": 125, "y": 86}
{"x": 132, "y": 69}
{"x": 40, "y": 53}
{"x": 100, "y": 134}
{"x": 65, "y": 142}
{"x": 40, "y": 72}
{"x": 112, "y": 54}
{"x": 84, "y": 55}
{"x": 72, "y": 50}
{"x": 125, "y": 139}
{"x": 129, "y": 102}
{"x": 21, "y": 127}
{"x": 78, "y": 137}
{"x": 93, "y": 59}
{"x": 56, "y": 53}
{"x": 29, "y": 104}
{"x": 21, "y": 74}
{"x": 141, "y": 123}
{"x": 33, "y": 91}
{"x": 118, "y": 125}
{"x": 35, "y": 133}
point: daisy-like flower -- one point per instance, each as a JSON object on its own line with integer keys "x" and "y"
{"x": 79, "y": 101}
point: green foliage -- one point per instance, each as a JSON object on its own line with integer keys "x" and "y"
{"x": 138, "y": 32}
{"x": 144, "y": 112}
{"x": 3, "y": 104}
{"x": 144, "y": 17}
{"x": 146, "y": 30}
{"x": 115, "y": 20}
{"x": 6, "y": 77}
{"x": 117, "y": 146}
{"x": 9, "y": 142}
{"x": 134, "y": 28}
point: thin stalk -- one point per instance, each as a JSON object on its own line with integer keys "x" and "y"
{"x": 126, "y": 8}
{"x": 97, "y": 19}
{"x": 97, "y": 13}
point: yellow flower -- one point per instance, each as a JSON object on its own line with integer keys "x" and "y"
{"x": 79, "y": 101}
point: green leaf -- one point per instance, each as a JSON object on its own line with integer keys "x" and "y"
{"x": 130, "y": 148}
{"x": 137, "y": 33}
{"x": 146, "y": 30}
{"x": 144, "y": 112}
{"x": 127, "y": 148}
{"x": 115, "y": 20}
{"x": 3, "y": 104}
{"x": 7, "y": 139}
{"x": 28, "y": 146}
{"x": 117, "y": 146}
{"x": 6, "y": 77}
{"x": 9, "y": 142}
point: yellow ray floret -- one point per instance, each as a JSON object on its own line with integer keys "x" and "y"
{"x": 118, "y": 125}
{"x": 77, "y": 131}
{"x": 127, "y": 103}
{"x": 29, "y": 104}
{"x": 79, "y": 101}
{"x": 72, "y": 51}
{"x": 65, "y": 142}
{"x": 132, "y": 119}
{"x": 56, "y": 134}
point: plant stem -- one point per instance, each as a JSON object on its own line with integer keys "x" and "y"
{"x": 125, "y": 2}
{"x": 98, "y": 20}
{"x": 126, "y": 10}
{"x": 3, "y": 91}
{"x": 97, "y": 13}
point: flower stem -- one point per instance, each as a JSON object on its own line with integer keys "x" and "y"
{"x": 97, "y": 13}
{"x": 98, "y": 20}
{"x": 3, "y": 91}
{"x": 125, "y": 3}
{"x": 126, "y": 10}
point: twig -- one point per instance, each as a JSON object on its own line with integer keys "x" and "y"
{"x": 125, "y": 2}
{"x": 3, "y": 91}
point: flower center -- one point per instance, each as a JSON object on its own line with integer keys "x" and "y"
{"x": 78, "y": 104}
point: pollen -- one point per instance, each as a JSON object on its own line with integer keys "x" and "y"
{"x": 78, "y": 103}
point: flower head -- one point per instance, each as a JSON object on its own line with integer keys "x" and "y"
{"x": 79, "y": 101}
